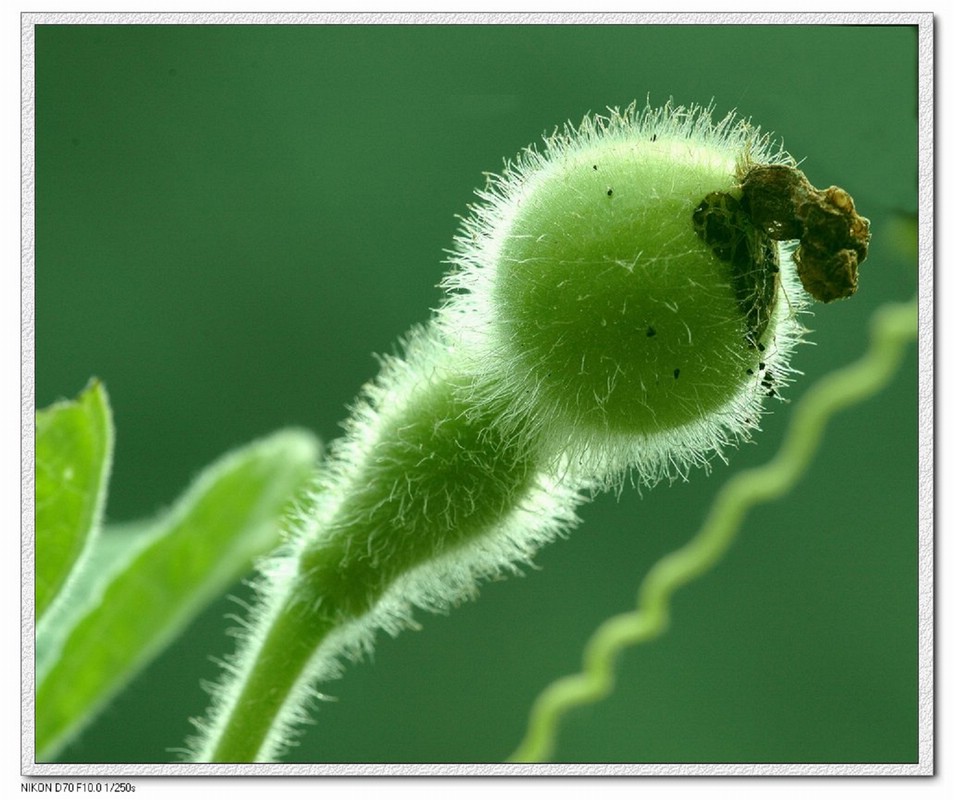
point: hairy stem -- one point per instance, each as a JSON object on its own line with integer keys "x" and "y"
{"x": 438, "y": 477}
{"x": 289, "y": 644}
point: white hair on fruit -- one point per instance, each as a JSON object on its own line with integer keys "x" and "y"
{"x": 648, "y": 140}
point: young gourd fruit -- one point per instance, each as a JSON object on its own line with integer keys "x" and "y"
{"x": 623, "y": 293}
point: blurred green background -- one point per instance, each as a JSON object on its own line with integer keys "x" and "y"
{"x": 231, "y": 220}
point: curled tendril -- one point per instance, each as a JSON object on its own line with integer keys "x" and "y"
{"x": 893, "y": 327}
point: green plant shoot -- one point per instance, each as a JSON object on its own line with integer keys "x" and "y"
{"x": 619, "y": 304}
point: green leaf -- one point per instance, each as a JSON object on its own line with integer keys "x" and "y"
{"x": 146, "y": 581}
{"x": 74, "y": 443}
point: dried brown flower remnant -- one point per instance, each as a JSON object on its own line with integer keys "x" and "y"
{"x": 723, "y": 224}
{"x": 781, "y": 202}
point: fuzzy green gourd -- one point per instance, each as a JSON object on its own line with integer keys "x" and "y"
{"x": 643, "y": 333}
{"x": 618, "y": 305}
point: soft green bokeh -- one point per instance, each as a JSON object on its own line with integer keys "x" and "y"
{"x": 237, "y": 218}
{"x": 894, "y": 328}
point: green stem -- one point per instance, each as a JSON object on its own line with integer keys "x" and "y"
{"x": 280, "y": 662}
